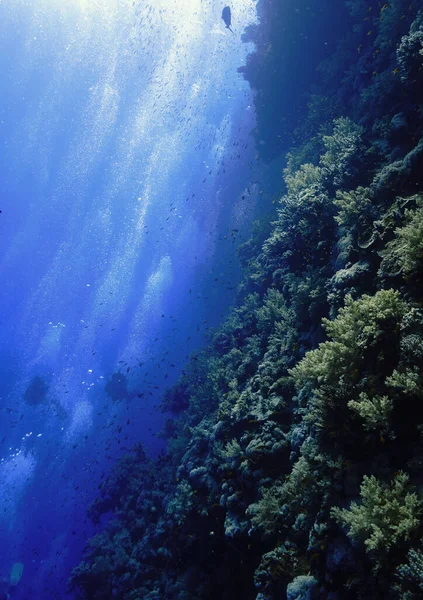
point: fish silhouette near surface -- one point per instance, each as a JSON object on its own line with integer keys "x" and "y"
{"x": 226, "y": 16}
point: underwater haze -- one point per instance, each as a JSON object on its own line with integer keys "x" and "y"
{"x": 211, "y": 306}
{"x": 120, "y": 180}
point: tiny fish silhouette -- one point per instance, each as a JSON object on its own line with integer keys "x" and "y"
{"x": 226, "y": 16}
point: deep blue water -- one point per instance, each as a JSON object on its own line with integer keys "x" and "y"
{"x": 120, "y": 186}
{"x": 128, "y": 178}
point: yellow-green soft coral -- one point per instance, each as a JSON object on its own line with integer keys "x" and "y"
{"x": 356, "y": 213}
{"x": 347, "y": 376}
{"x": 410, "y": 576}
{"x": 308, "y": 176}
{"x": 404, "y": 254}
{"x": 359, "y": 325}
{"x": 342, "y": 149}
{"x": 388, "y": 513}
{"x": 375, "y": 411}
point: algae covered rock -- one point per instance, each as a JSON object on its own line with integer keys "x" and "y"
{"x": 303, "y": 587}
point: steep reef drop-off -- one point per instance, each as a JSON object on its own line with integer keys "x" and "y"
{"x": 295, "y": 451}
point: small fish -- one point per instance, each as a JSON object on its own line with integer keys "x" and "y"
{"x": 226, "y": 16}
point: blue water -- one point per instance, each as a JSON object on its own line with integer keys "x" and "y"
{"x": 127, "y": 180}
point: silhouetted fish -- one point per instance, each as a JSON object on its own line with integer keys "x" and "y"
{"x": 226, "y": 16}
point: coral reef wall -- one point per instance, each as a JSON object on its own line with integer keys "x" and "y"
{"x": 295, "y": 449}
{"x": 291, "y": 39}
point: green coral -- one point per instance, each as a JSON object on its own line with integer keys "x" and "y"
{"x": 278, "y": 567}
{"x": 339, "y": 162}
{"x": 402, "y": 175}
{"x": 273, "y": 310}
{"x": 302, "y": 180}
{"x": 410, "y": 576}
{"x": 387, "y": 515}
{"x": 304, "y": 232}
{"x": 348, "y": 382}
{"x": 404, "y": 254}
{"x": 285, "y": 506}
{"x": 181, "y": 502}
{"x": 375, "y": 411}
{"x": 356, "y": 211}
{"x": 359, "y": 326}
{"x": 230, "y": 455}
{"x": 410, "y": 50}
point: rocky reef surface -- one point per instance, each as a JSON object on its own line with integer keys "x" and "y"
{"x": 294, "y": 466}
